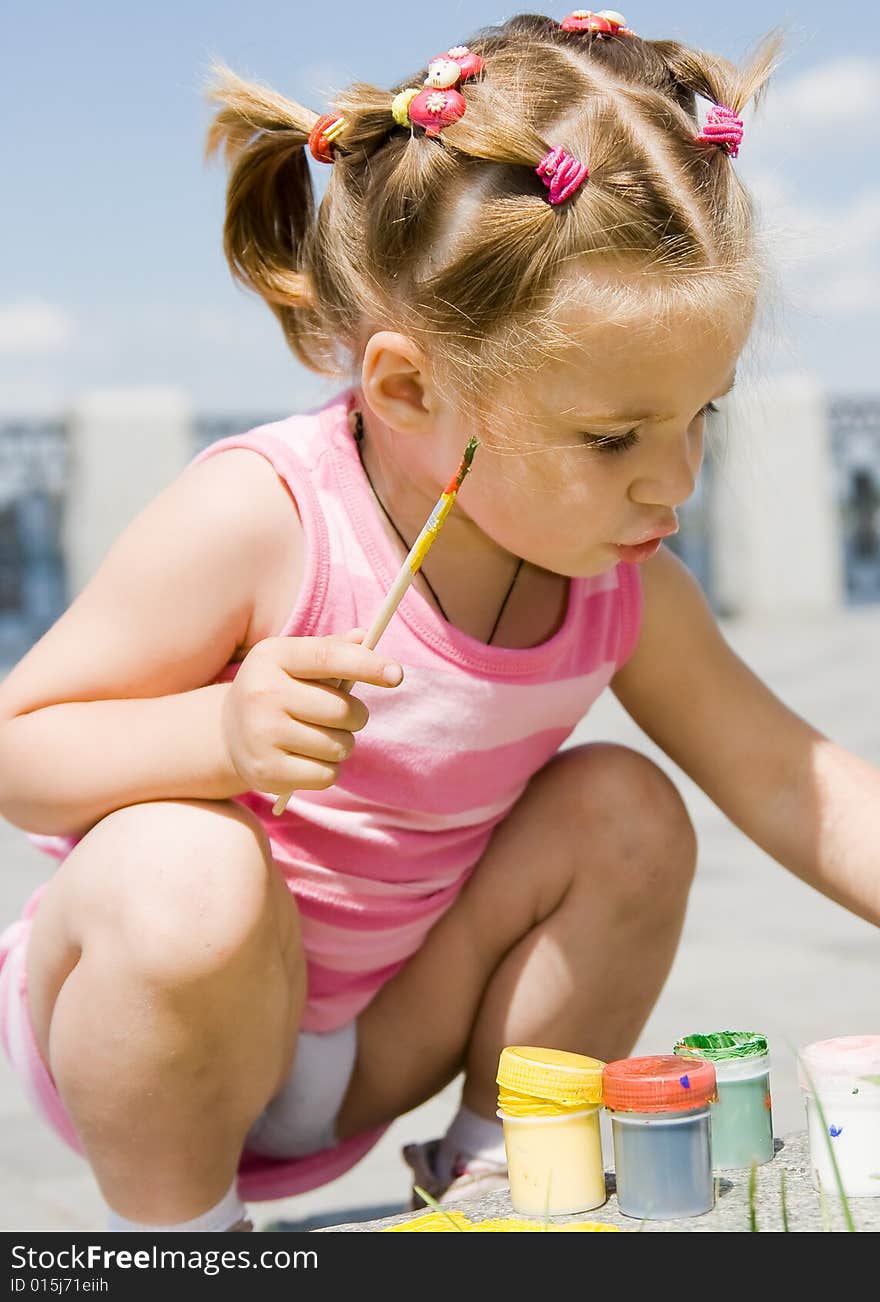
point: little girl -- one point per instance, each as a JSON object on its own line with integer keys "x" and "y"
{"x": 536, "y": 242}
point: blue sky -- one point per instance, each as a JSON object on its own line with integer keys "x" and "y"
{"x": 112, "y": 270}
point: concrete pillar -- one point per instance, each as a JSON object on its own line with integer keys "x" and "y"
{"x": 776, "y": 537}
{"x": 126, "y": 445}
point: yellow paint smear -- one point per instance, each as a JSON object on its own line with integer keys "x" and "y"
{"x": 437, "y": 1222}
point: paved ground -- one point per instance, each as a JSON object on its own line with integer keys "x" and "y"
{"x": 760, "y": 949}
{"x": 805, "y": 1210}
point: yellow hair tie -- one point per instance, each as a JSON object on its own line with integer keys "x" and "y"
{"x": 400, "y": 106}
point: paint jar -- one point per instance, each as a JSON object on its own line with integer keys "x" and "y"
{"x": 660, "y": 1126}
{"x": 741, "y": 1122}
{"x": 548, "y": 1102}
{"x": 844, "y": 1076}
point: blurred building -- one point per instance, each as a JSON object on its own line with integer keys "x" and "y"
{"x": 33, "y": 481}
{"x": 855, "y": 440}
{"x": 68, "y": 486}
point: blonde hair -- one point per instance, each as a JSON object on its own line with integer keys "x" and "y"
{"x": 452, "y": 241}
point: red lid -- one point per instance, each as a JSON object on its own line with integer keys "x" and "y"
{"x": 658, "y": 1084}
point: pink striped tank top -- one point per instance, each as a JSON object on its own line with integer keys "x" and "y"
{"x": 375, "y": 860}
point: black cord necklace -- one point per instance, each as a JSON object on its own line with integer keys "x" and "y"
{"x": 358, "y": 438}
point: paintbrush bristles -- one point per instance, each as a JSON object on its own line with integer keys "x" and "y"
{"x": 464, "y": 466}
{"x": 466, "y": 460}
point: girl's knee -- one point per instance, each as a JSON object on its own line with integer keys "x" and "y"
{"x": 625, "y": 807}
{"x": 182, "y": 888}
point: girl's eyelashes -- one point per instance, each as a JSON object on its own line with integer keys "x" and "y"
{"x": 604, "y": 443}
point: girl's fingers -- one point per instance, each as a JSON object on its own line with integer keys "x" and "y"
{"x": 310, "y": 742}
{"x": 298, "y": 773}
{"x": 336, "y": 659}
{"x": 323, "y": 705}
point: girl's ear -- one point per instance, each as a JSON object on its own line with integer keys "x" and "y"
{"x": 395, "y": 382}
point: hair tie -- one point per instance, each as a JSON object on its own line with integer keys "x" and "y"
{"x": 327, "y": 129}
{"x": 562, "y": 173}
{"x": 607, "y": 22}
{"x": 722, "y": 127}
{"x": 438, "y": 102}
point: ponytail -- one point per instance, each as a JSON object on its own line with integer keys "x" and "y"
{"x": 270, "y": 207}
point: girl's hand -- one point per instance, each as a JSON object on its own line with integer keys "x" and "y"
{"x": 283, "y": 726}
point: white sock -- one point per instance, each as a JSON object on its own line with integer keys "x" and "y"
{"x": 228, "y": 1211}
{"x": 301, "y": 1118}
{"x": 470, "y": 1135}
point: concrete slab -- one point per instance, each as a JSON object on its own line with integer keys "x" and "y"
{"x": 806, "y": 1211}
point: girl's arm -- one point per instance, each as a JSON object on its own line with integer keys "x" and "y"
{"x": 811, "y": 804}
{"x": 110, "y": 707}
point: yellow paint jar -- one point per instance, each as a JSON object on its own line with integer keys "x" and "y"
{"x": 548, "y": 1102}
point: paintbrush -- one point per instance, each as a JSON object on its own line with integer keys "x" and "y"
{"x": 407, "y": 572}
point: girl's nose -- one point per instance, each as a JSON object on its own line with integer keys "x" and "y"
{"x": 671, "y": 477}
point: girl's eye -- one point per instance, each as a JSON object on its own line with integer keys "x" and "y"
{"x": 602, "y": 443}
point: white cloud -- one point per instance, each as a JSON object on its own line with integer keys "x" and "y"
{"x": 34, "y": 328}
{"x": 827, "y": 248}
{"x": 828, "y": 251}
{"x": 848, "y": 292}
{"x": 820, "y": 231}
{"x": 319, "y": 82}
{"x": 824, "y": 111}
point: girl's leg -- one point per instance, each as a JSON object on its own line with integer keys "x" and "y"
{"x": 166, "y": 984}
{"x": 563, "y": 936}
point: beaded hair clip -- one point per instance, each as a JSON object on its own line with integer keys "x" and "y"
{"x": 607, "y": 22}
{"x": 438, "y": 102}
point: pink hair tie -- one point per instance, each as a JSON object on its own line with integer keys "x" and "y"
{"x": 562, "y": 173}
{"x": 722, "y": 127}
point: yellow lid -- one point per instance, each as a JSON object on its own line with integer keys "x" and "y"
{"x": 559, "y": 1077}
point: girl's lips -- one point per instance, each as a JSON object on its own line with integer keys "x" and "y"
{"x": 635, "y": 555}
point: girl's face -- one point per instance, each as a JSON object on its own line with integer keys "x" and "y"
{"x": 600, "y": 448}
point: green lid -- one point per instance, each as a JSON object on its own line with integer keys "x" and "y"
{"x": 722, "y": 1046}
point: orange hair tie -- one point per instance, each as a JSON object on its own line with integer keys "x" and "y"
{"x": 322, "y": 135}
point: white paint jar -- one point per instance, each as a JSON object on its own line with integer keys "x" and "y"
{"x": 844, "y": 1074}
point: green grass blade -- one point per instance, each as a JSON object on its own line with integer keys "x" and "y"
{"x": 545, "y": 1226}
{"x": 847, "y": 1214}
{"x": 823, "y": 1205}
{"x": 783, "y": 1204}
{"x": 753, "y": 1190}
{"x": 435, "y": 1207}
